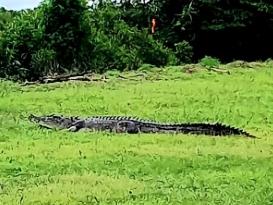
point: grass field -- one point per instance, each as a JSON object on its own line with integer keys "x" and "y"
{"x": 47, "y": 167}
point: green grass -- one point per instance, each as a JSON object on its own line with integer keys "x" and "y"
{"x": 47, "y": 167}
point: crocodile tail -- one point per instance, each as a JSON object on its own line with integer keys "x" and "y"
{"x": 206, "y": 129}
{"x": 221, "y": 129}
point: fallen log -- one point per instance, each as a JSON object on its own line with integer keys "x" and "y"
{"x": 64, "y": 78}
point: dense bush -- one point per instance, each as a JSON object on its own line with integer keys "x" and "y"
{"x": 117, "y": 45}
{"x": 210, "y": 62}
{"x": 64, "y": 30}
{"x": 67, "y": 35}
{"x": 19, "y": 41}
{"x": 5, "y": 17}
{"x": 62, "y": 36}
{"x": 44, "y": 41}
{"x": 184, "y": 52}
{"x": 225, "y": 29}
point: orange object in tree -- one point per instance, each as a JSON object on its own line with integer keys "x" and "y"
{"x": 153, "y": 25}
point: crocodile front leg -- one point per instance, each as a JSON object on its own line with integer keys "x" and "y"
{"x": 76, "y": 126}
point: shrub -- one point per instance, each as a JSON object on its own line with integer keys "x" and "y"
{"x": 184, "y": 52}
{"x": 120, "y": 46}
{"x": 21, "y": 38}
{"x": 44, "y": 62}
{"x": 64, "y": 30}
{"x": 210, "y": 62}
{"x": 62, "y": 35}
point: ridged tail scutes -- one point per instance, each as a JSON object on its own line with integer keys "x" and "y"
{"x": 216, "y": 129}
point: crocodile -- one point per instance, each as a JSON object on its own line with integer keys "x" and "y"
{"x": 133, "y": 125}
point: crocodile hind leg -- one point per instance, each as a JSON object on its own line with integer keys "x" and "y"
{"x": 127, "y": 127}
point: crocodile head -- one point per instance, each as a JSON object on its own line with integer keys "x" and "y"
{"x": 53, "y": 121}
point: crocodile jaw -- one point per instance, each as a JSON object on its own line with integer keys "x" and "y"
{"x": 52, "y": 121}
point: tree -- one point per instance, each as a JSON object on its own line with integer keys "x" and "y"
{"x": 64, "y": 29}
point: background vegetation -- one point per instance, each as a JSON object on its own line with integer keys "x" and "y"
{"x": 63, "y": 36}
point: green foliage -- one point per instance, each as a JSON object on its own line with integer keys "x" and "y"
{"x": 116, "y": 35}
{"x": 44, "y": 41}
{"x": 210, "y": 62}
{"x": 153, "y": 52}
{"x": 146, "y": 67}
{"x": 44, "y": 62}
{"x": 225, "y": 29}
{"x": 63, "y": 36}
{"x": 184, "y": 52}
{"x": 64, "y": 33}
{"x": 22, "y": 37}
{"x": 5, "y": 17}
{"x": 120, "y": 46}
{"x": 112, "y": 40}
